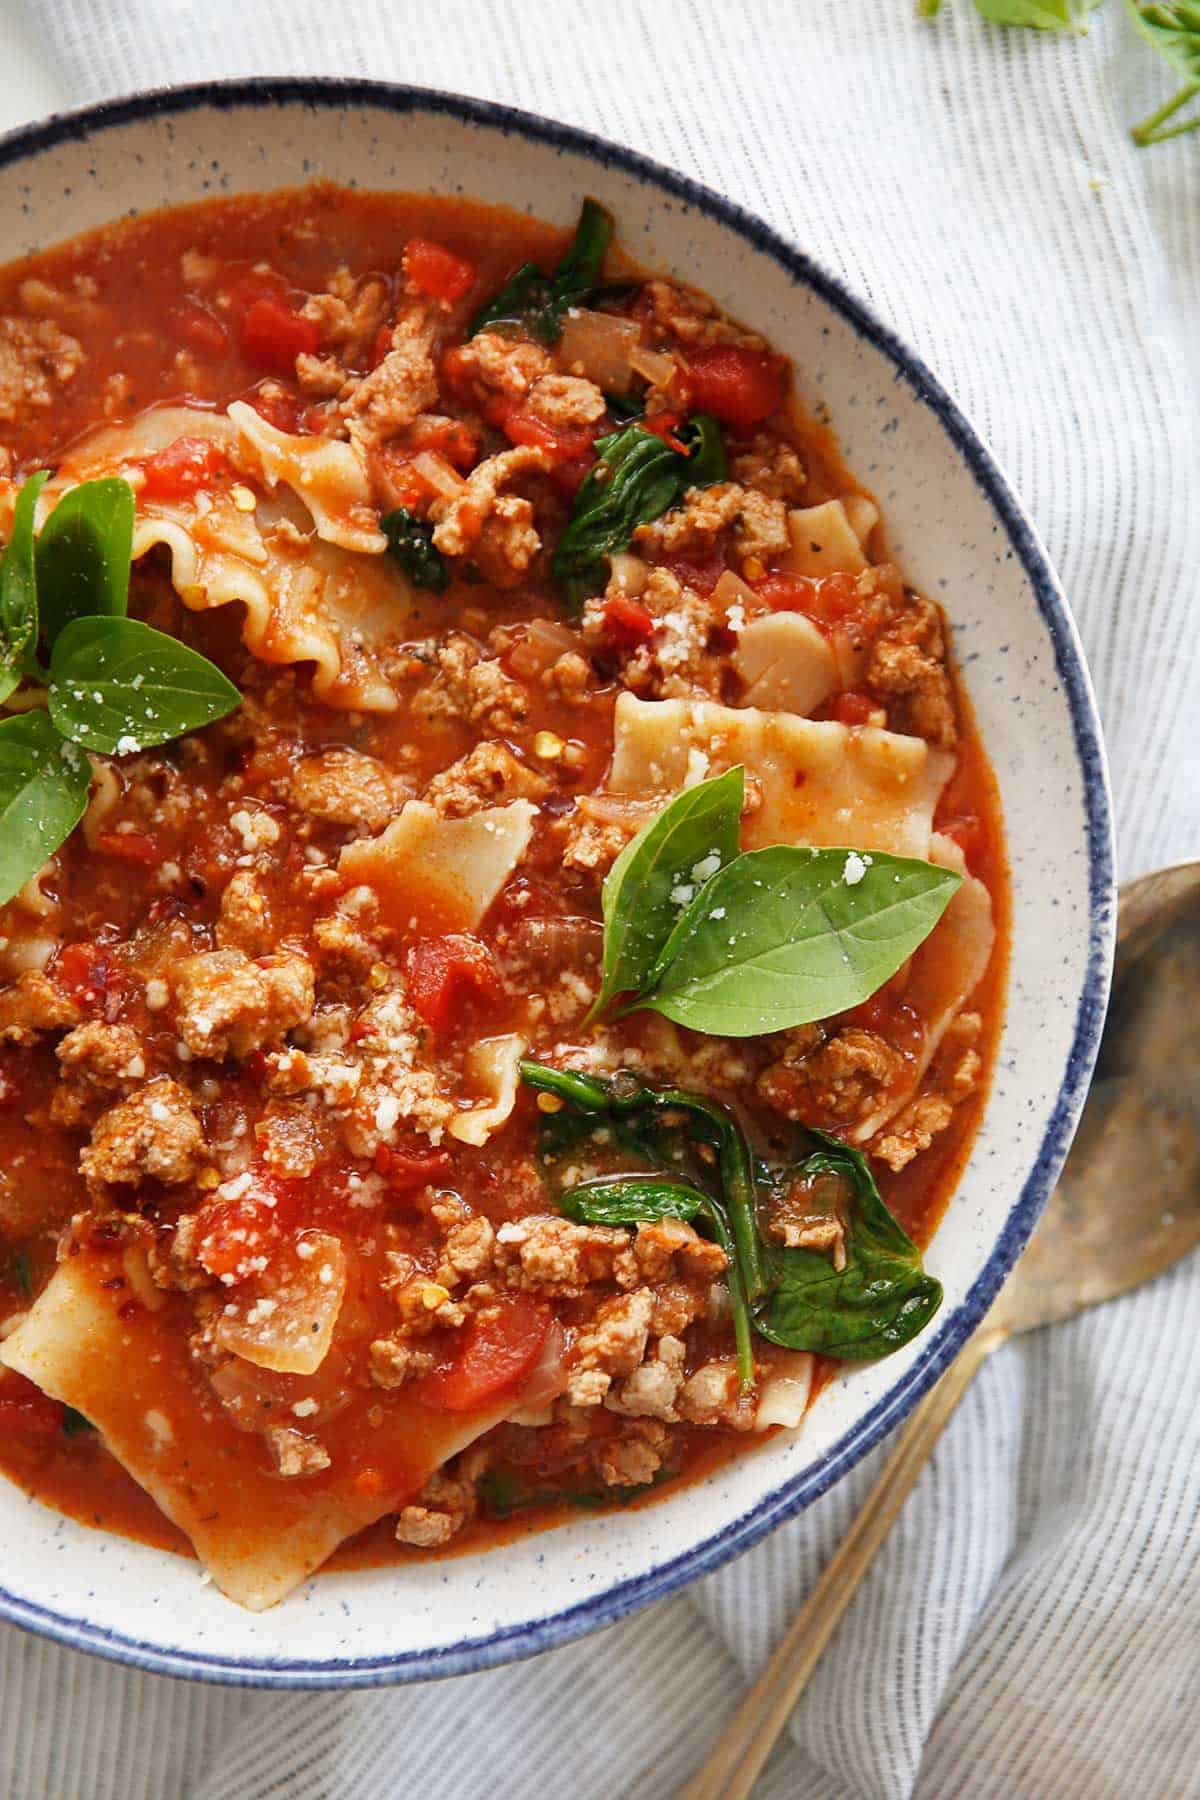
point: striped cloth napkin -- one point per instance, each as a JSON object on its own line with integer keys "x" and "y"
{"x": 1029, "y": 1630}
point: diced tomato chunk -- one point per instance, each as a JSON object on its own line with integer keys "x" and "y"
{"x": 201, "y": 329}
{"x": 406, "y": 1170}
{"x": 136, "y": 847}
{"x": 284, "y": 411}
{"x": 178, "y": 469}
{"x": 86, "y": 973}
{"x": 627, "y": 623}
{"x": 569, "y": 447}
{"x": 497, "y": 1350}
{"x": 436, "y": 270}
{"x": 273, "y": 335}
{"x": 256, "y": 284}
{"x": 740, "y": 387}
{"x": 27, "y": 1416}
{"x": 454, "y": 439}
{"x": 853, "y": 708}
{"x": 456, "y": 375}
{"x": 825, "y": 599}
{"x": 446, "y": 972}
{"x": 232, "y": 1235}
{"x": 787, "y": 593}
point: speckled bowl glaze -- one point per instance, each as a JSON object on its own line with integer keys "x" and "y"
{"x": 961, "y": 534}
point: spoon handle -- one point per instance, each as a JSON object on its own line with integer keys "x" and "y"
{"x": 740, "y": 1752}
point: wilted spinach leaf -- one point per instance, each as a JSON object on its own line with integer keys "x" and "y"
{"x": 637, "y": 478}
{"x": 410, "y": 541}
{"x": 537, "y": 304}
{"x": 878, "y": 1302}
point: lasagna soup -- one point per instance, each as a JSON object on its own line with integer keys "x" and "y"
{"x": 503, "y": 902}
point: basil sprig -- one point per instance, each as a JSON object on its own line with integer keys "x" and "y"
{"x": 537, "y": 304}
{"x": 114, "y": 684}
{"x": 740, "y": 945}
{"x": 1171, "y": 26}
{"x": 410, "y": 541}
{"x": 638, "y": 477}
{"x": 877, "y": 1301}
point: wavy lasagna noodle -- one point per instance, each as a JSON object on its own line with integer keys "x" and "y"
{"x": 280, "y": 1246}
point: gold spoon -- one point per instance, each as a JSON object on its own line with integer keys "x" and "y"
{"x": 1126, "y": 1209}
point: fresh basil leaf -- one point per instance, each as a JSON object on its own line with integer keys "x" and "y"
{"x": 18, "y": 589}
{"x": 117, "y": 685}
{"x": 657, "y": 874}
{"x": 878, "y": 1301}
{"x": 537, "y": 304}
{"x": 631, "y": 1200}
{"x": 1173, "y": 27}
{"x": 783, "y": 936}
{"x": 410, "y": 541}
{"x": 43, "y": 793}
{"x": 637, "y": 478}
{"x": 1038, "y": 15}
{"x": 83, "y": 555}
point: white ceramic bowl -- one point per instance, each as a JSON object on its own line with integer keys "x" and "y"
{"x": 961, "y": 534}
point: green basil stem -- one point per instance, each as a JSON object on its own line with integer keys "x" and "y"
{"x": 737, "y": 1230}
{"x": 738, "y": 1305}
{"x": 635, "y": 1199}
{"x": 1148, "y": 132}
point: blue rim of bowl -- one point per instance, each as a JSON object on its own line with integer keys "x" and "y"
{"x": 553, "y": 1630}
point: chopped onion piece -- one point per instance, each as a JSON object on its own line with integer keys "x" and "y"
{"x": 658, "y": 368}
{"x": 783, "y": 1398}
{"x": 731, "y": 589}
{"x": 599, "y": 346}
{"x": 618, "y": 809}
{"x": 540, "y": 648}
{"x": 436, "y": 471}
{"x": 548, "y": 1377}
{"x": 142, "y": 1285}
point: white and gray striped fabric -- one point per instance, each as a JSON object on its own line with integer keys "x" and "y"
{"x": 1030, "y": 1630}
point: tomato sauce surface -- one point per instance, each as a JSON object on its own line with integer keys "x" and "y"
{"x": 230, "y": 842}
